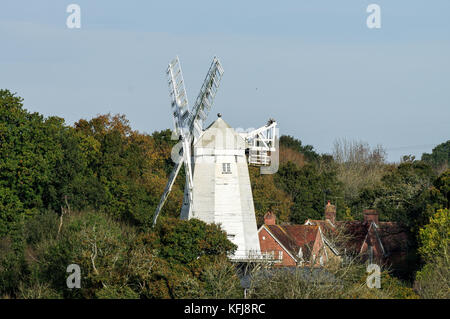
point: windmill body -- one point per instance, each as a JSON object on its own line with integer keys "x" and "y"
{"x": 217, "y": 188}
{"x": 222, "y": 192}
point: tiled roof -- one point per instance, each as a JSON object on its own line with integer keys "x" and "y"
{"x": 393, "y": 236}
{"x": 294, "y": 237}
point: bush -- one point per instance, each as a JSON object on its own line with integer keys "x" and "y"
{"x": 433, "y": 281}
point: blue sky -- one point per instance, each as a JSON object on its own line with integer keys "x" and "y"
{"x": 314, "y": 66}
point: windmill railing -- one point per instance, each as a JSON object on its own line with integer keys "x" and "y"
{"x": 259, "y": 158}
{"x": 256, "y": 256}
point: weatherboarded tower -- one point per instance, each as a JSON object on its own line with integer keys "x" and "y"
{"x": 222, "y": 192}
{"x": 217, "y": 188}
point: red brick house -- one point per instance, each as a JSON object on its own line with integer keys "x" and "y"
{"x": 375, "y": 241}
{"x": 292, "y": 245}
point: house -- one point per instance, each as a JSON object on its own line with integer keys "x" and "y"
{"x": 374, "y": 241}
{"x": 292, "y": 245}
{"x": 318, "y": 242}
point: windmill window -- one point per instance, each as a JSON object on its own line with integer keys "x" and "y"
{"x": 226, "y": 168}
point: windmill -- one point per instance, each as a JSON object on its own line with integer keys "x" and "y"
{"x": 217, "y": 188}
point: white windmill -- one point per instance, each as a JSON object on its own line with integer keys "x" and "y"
{"x": 217, "y": 188}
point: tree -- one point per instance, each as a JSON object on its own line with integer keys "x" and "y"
{"x": 131, "y": 168}
{"x": 185, "y": 241}
{"x": 29, "y": 155}
{"x": 433, "y": 280}
{"x": 435, "y": 237}
{"x": 119, "y": 261}
{"x": 395, "y": 196}
{"x": 442, "y": 183}
{"x": 268, "y": 197}
{"x": 343, "y": 280}
{"x": 358, "y": 166}
{"x": 439, "y": 157}
{"x": 308, "y": 187}
{"x": 289, "y": 142}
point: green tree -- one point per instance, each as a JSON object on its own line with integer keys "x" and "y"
{"x": 433, "y": 280}
{"x": 308, "y": 188}
{"x": 439, "y": 157}
{"x": 267, "y": 196}
{"x": 29, "y": 155}
{"x": 185, "y": 241}
{"x": 435, "y": 237}
{"x": 442, "y": 183}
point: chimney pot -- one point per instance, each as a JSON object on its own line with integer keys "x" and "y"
{"x": 330, "y": 212}
{"x": 370, "y": 215}
{"x": 270, "y": 218}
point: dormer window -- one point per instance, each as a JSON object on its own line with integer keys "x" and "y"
{"x": 226, "y": 168}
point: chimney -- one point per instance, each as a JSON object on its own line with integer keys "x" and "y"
{"x": 370, "y": 215}
{"x": 270, "y": 218}
{"x": 330, "y": 212}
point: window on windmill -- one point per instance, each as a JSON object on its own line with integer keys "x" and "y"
{"x": 226, "y": 168}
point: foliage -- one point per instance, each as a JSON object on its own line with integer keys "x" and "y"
{"x": 345, "y": 280}
{"x": 185, "y": 242}
{"x": 439, "y": 157}
{"x": 28, "y": 157}
{"x": 309, "y": 188}
{"x": 359, "y": 166}
{"x": 86, "y": 193}
{"x": 287, "y": 141}
{"x": 267, "y": 196}
{"x": 118, "y": 262}
{"x": 397, "y": 195}
{"x": 442, "y": 183}
{"x": 435, "y": 237}
{"x": 433, "y": 280}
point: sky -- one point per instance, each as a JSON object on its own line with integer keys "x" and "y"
{"x": 314, "y": 66}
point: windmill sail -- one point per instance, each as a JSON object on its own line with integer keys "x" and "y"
{"x": 173, "y": 176}
{"x": 178, "y": 95}
{"x": 205, "y": 98}
{"x": 188, "y": 125}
